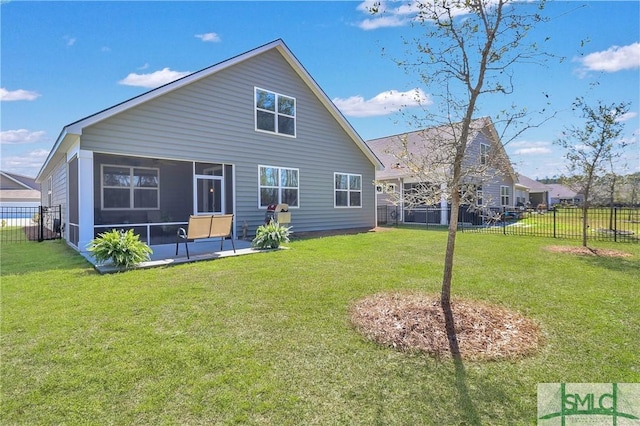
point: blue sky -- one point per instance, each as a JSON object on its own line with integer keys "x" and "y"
{"x": 62, "y": 61}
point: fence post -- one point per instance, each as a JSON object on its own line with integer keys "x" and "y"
{"x": 504, "y": 222}
{"x": 615, "y": 224}
{"x": 40, "y": 224}
{"x": 554, "y": 223}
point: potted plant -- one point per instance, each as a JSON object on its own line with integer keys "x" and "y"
{"x": 123, "y": 248}
{"x": 271, "y": 235}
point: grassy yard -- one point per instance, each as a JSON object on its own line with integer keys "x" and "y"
{"x": 265, "y": 339}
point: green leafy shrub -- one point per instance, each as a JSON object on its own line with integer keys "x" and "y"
{"x": 271, "y": 235}
{"x": 123, "y": 248}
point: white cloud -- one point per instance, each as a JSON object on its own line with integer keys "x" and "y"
{"x": 70, "y": 40}
{"x": 626, "y": 117}
{"x": 616, "y": 58}
{"x": 531, "y": 148}
{"x": 28, "y": 164}
{"x": 533, "y": 151}
{"x": 209, "y": 37}
{"x": 154, "y": 79}
{"x": 382, "y": 104}
{"x": 20, "y": 136}
{"x": 386, "y": 16}
{"x": 17, "y": 95}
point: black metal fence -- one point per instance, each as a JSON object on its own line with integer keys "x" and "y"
{"x": 20, "y": 224}
{"x": 619, "y": 224}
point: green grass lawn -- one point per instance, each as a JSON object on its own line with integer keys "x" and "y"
{"x": 265, "y": 339}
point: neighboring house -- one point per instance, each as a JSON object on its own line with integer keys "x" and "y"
{"x": 549, "y": 194}
{"x": 235, "y": 137}
{"x": 18, "y": 191}
{"x": 561, "y": 194}
{"x": 538, "y": 191}
{"x": 494, "y": 191}
{"x": 522, "y": 195}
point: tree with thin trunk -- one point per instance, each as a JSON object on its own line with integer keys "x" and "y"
{"x": 590, "y": 149}
{"x": 468, "y": 51}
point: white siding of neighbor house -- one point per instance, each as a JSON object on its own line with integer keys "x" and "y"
{"x": 387, "y": 199}
{"x": 212, "y": 120}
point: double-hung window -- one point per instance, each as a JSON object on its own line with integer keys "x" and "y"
{"x": 484, "y": 154}
{"x": 278, "y": 185}
{"x": 348, "y": 190}
{"x": 130, "y": 187}
{"x": 505, "y": 195}
{"x": 275, "y": 113}
{"x": 479, "y": 196}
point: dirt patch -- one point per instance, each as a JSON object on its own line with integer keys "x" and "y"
{"x": 415, "y": 322}
{"x": 587, "y": 251}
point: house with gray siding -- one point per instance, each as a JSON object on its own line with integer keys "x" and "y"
{"x": 236, "y": 137}
{"x": 423, "y": 157}
{"x": 18, "y": 191}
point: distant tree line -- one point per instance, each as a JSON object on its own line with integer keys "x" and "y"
{"x": 608, "y": 190}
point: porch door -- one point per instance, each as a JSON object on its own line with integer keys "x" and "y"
{"x": 209, "y": 194}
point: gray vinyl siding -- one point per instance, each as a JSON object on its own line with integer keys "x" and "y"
{"x": 58, "y": 187}
{"x": 494, "y": 178}
{"x": 212, "y": 120}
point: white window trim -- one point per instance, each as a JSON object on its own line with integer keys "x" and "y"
{"x": 294, "y": 117}
{"x": 348, "y": 191}
{"x": 278, "y": 187}
{"x": 484, "y": 156}
{"x": 479, "y": 195}
{"x": 502, "y": 195}
{"x": 386, "y": 188}
{"x": 131, "y": 188}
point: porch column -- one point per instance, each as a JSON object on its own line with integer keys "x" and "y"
{"x": 85, "y": 198}
{"x": 444, "y": 206}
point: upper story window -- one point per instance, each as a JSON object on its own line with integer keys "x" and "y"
{"x": 130, "y": 187}
{"x": 275, "y": 113}
{"x": 505, "y": 195}
{"x": 348, "y": 190}
{"x": 278, "y": 185}
{"x": 484, "y": 154}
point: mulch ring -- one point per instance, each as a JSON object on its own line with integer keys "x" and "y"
{"x": 587, "y": 251}
{"x": 414, "y": 321}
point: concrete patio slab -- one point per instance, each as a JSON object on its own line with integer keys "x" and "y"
{"x": 165, "y": 254}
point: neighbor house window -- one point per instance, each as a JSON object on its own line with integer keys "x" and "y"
{"x": 348, "y": 190}
{"x": 484, "y": 154}
{"x": 505, "y": 195}
{"x": 278, "y": 185}
{"x": 130, "y": 187}
{"x": 479, "y": 195}
{"x": 386, "y": 188}
{"x": 275, "y": 113}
